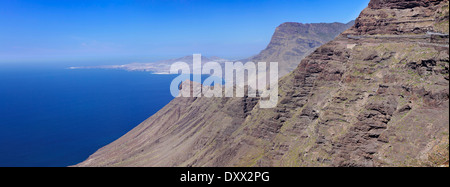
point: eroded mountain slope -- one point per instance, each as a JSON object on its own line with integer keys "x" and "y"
{"x": 377, "y": 95}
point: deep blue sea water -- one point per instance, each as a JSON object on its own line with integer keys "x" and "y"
{"x": 53, "y": 116}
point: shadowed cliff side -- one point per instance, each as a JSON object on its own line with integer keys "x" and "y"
{"x": 377, "y": 95}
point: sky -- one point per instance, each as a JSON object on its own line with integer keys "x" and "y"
{"x": 144, "y": 30}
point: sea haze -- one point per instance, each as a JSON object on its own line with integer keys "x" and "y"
{"x": 54, "y": 116}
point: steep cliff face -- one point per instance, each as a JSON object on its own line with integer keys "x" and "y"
{"x": 401, "y": 4}
{"x": 292, "y": 42}
{"x": 184, "y": 132}
{"x": 403, "y": 17}
{"x": 377, "y": 95}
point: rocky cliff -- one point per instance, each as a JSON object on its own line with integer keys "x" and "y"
{"x": 292, "y": 42}
{"x": 377, "y": 95}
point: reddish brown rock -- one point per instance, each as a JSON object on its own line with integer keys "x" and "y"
{"x": 377, "y": 95}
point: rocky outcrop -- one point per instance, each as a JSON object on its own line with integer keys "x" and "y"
{"x": 354, "y": 101}
{"x": 403, "y": 17}
{"x": 401, "y": 4}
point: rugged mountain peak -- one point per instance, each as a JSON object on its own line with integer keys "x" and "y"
{"x": 291, "y": 42}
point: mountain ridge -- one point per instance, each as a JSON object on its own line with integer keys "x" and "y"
{"x": 292, "y": 41}
{"x": 364, "y": 99}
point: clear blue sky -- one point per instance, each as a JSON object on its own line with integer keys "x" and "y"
{"x": 49, "y": 30}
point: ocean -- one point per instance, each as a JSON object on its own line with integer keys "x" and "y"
{"x": 53, "y": 116}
